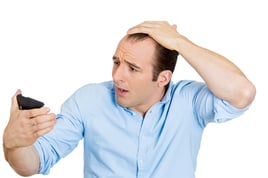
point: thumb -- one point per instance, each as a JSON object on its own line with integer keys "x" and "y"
{"x": 174, "y": 26}
{"x": 14, "y": 102}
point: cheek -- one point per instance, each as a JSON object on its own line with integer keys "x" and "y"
{"x": 143, "y": 87}
{"x": 113, "y": 72}
{"x": 113, "y": 69}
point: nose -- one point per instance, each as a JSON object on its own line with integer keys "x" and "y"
{"x": 118, "y": 73}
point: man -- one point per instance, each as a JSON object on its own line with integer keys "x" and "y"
{"x": 141, "y": 124}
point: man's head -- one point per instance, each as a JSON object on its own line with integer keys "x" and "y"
{"x": 142, "y": 71}
{"x": 164, "y": 59}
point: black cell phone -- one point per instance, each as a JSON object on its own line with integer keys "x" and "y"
{"x": 28, "y": 103}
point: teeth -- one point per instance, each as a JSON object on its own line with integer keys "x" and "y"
{"x": 122, "y": 90}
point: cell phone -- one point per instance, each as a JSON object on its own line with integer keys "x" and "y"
{"x": 28, "y": 102}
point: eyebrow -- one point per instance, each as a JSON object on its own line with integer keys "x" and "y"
{"x": 129, "y": 63}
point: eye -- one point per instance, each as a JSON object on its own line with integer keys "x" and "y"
{"x": 133, "y": 69}
{"x": 116, "y": 62}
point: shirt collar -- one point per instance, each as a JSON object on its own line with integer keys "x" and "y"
{"x": 164, "y": 100}
{"x": 167, "y": 95}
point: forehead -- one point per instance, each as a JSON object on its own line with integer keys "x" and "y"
{"x": 138, "y": 50}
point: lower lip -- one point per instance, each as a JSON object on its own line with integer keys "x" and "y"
{"x": 121, "y": 92}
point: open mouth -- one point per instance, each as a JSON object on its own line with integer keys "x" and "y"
{"x": 121, "y": 91}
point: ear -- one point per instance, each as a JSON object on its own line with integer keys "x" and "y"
{"x": 164, "y": 78}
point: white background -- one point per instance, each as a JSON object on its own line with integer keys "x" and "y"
{"x": 50, "y": 48}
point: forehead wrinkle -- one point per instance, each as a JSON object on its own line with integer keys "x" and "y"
{"x": 126, "y": 54}
{"x": 132, "y": 64}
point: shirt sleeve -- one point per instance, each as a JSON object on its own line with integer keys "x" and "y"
{"x": 64, "y": 137}
{"x": 209, "y": 108}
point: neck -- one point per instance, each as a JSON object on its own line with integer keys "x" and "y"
{"x": 142, "y": 109}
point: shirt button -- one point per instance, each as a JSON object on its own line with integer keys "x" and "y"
{"x": 219, "y": 120}
{"x": 141, "y": 161}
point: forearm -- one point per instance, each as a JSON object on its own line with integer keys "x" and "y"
{"x": 25, "y": 160}
{"x": 223, "y": 78}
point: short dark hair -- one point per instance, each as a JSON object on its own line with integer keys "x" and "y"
{"x": 166, "y": 59}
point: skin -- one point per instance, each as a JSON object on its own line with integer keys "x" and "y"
{"x": 223, "y": 78}
{"x": 22, "y": 130}
{"x": 132, "y": 75}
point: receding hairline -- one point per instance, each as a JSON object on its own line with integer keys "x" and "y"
{"x": 138, "y": 37}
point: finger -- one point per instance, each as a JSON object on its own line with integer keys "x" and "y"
{"x": 36, "y": 112}
{"x": 43, "y": 125}
{"x": 154, "y": 23}
{"x": 43, "y": 131}
{"x": 148, "y": 27}
{"x": 36, "y": 127}
{"x": 33, "y": 128}
{"x": 142, "y": 27}
{"x": 43, "y": 119}
{"x": 43, "y": 122}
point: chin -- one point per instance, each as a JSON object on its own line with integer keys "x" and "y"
{"x": 121, "y": 102}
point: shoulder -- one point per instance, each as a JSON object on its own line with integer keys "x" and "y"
{"x": 95, "y": 88}
{"x": 186, "y": 86}
{"x": 93, "y": 93}
{"x": 183, "y": 89}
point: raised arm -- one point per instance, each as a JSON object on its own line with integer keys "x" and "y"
{"x": 222, "y": 76}
{"x": 22, "y": 130}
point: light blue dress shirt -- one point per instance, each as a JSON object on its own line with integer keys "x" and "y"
{"x": 120, "y": 143}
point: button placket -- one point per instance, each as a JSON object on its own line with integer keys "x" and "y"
{"x": 144, "y": 142}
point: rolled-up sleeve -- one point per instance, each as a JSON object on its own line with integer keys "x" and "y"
{"x": 209, "y": 108}
{"x": 64, "y": 137}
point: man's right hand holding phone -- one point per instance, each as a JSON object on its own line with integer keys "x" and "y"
{"x": 26, "y": 125}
